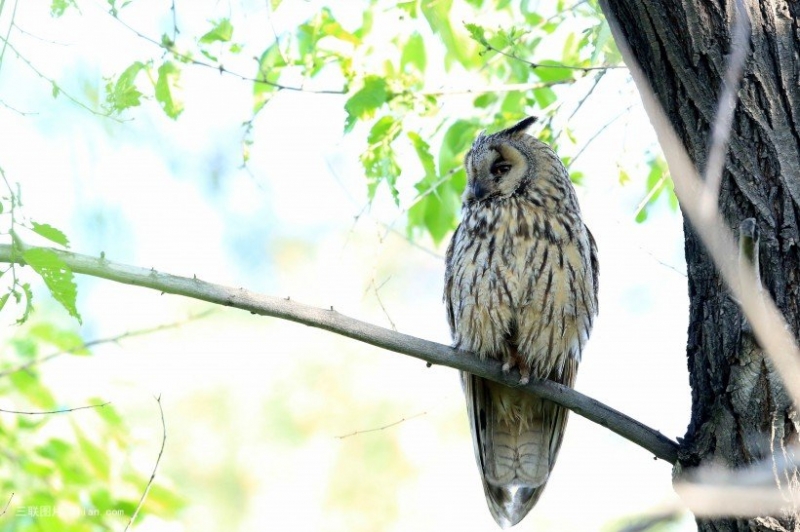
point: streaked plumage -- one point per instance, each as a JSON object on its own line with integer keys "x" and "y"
{"x": 520, "y": 286}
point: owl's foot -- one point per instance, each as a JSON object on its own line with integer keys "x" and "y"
{"x": 517, "y": 361}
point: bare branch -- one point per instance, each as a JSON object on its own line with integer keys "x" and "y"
{"x": 155, "y": 467}
{"x": 330, "y": 320}
{"x": 47, "y": 412}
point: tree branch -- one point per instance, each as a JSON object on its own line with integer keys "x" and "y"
{"x": 330, "y": 320}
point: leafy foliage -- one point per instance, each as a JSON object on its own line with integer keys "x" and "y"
{"x": 510, "y": 66}
{"x": 65, "y": 479}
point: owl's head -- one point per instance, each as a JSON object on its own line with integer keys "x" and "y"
{"x": 499, "y": 165}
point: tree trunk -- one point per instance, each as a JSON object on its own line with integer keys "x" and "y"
{"x": 740, "y": 412}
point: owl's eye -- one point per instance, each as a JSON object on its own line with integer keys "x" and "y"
{"x": 500, "y": 168}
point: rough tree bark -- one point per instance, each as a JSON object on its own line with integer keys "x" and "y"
{"x": 740, "y": 412}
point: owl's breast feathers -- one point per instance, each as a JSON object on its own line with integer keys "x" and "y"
{"x": 522, "y": 276}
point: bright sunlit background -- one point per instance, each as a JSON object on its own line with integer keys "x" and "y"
{"x": 276, "y": 426}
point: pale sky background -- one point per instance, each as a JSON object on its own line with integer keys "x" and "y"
{"x": 156, "y": 193}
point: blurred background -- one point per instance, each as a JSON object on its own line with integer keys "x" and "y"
{"x": 275, "y": 426}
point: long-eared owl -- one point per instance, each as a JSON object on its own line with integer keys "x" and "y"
{"x": 521, "y": 287}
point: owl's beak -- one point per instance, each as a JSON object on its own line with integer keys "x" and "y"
{"x": 478, "y": 190}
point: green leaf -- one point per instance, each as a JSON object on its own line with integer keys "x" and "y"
{"x": 414, "y": 53}
{"x": 163, "y": 502}
{"x": 50, "y": 233}
{"x": 477, "y": 33}
{"x": 555, "y": 73}
{"x": 424, "y": 153}
{"x": 168, "y": 90}
{"x": 107, "y": 413}
{"x": 544, "y": 96}
{"x": 330, "y": 27}
{"x": 380, "y": 160}
{"x": 63, "y": 339}
{"x": 209, "y": 55}
{"x": 95, "y": 456}
{"x": 221, "y": 32}
{"x": 459, "y": 48}
{"x": 366, "y": 101}
{"x": 56, "y": 275}
{"x": 32, "y": 389}
{"x": 457, "y": 140}
{"x": 436, "y": 208}
{"x": 672, "y": 198}
{"x": 274, "y": 4}
{"x": 410, "y": 7}
{"x": 58, "y": 7}
{"x": 624, "y": 177}
{"x": 270, "y": 67}
{"x": 124, "y": 94}
{"x": 55, "y": 449}
{"x": 26, "y": 290}
{"x": 485, "y": 100}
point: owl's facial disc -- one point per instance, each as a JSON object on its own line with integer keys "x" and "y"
{"x": 502, "y": 172}
{"x": 495, "y": 168}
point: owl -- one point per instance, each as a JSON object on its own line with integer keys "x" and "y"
{"x": 520, "y": 287}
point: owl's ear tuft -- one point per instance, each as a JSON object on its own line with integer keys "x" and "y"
{"x": 520, "y": 127}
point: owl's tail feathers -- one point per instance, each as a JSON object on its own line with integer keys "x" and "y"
{"x": 516, "y": 438}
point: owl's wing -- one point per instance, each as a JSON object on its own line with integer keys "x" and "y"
{"x": 448, "y": 281}
{"x": 514, "y": 463}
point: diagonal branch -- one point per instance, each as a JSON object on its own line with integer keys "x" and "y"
{"x": 330, "y": 320}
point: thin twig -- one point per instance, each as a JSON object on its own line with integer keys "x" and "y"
{"x": 175, "y": 31}
{"x": 556, "y": 65}
{"x": 8, "y": 503}
{"x": 495, "y": 89}
{"x": 48, "y": 412}
{"x": 649, "y": 196}
{"x": 55, "y": 85}
{"x": 597, "y": 134}
{"x": 384, "y": 427}
{"x": 40, "y": 39}
{"x": 107, "y": 340}
{"x": 155, "y": 467}
{"x": 18, "y": 111}
{"x": 585, "y": 97}
{"x": 8, "y": 33}
{"x": 330, "y": 320}
{"x": 376, "y": 289}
